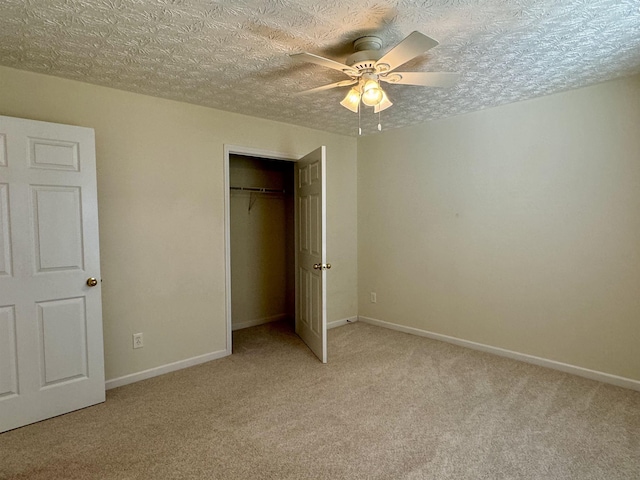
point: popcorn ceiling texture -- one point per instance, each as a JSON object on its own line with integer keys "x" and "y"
{"x": 233, "y": 55}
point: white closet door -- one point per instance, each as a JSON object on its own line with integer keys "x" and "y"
{"x": 311, "y": 301}
{"x": 51, "y": 350}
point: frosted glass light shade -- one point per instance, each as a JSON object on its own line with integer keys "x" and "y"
{"x": 352, "y": 100}
{"x": 384, "y": 104}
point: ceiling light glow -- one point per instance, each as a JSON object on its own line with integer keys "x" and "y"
{"x": 372, "y": 93}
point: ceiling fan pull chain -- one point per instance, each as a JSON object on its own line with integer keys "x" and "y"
{"x": 359, "y": 127}
{"x": 379, "y": 124}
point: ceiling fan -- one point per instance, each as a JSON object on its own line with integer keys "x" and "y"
{"x": 367, "y": 67}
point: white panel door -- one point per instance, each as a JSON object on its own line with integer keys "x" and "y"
{"x": 51, "y": 351}
{"x": 311, "y": 312}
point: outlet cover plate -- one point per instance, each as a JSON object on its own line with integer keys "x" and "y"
{"x": 138, "y": 341}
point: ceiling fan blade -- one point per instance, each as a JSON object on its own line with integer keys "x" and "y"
{"x": 425, "y": 79}
{"x": 343, "y": 83}
{"x": 325, "y": 62}
{"x": 412, "y": 46}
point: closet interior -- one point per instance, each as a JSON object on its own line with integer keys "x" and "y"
{"x": 262, "y": 241}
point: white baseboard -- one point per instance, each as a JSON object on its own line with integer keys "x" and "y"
{"x": 523, "y": 357}
{"x": 259, "y": 321}
{"x": 341, "y": 322}
{"x": 161, "y": 370}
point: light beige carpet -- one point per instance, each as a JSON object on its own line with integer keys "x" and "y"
{"x": 387, "y": 406}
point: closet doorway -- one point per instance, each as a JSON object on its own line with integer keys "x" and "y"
{"x": 262, "y": 241}
{"x": 299, "y": 181}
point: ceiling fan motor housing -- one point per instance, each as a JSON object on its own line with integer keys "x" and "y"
{"x": 367, "y": 43}
{"x": 367, "y": 53}
{"x": 364, "y": 60}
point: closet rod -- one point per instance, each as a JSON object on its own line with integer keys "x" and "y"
{"x": 257, "y": 189}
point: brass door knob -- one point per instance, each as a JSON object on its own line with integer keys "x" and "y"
{"x": 92, "y": 282}
{"x": 328, "y": 266}
{"x": 317, "y": 266}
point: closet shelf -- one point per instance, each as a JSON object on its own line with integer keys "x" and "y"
{"x": 257, "y": 190}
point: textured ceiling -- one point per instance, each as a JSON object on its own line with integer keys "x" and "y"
{"x": 234, "y": 54}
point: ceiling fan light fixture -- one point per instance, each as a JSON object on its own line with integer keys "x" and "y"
{"x": 368, "y": 66}
{"x": 372, "y": 94}
{"x": 352, "y": 100}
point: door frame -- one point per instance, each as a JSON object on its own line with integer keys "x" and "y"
{"x": 229, "y": 150}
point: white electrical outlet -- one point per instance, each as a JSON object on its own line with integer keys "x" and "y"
{"x": 374, "y": 298}
{"x": 138, "y": 342}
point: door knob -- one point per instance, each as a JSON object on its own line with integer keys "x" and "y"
{"x": 317, "y": 266}
{"x": 328, "y": 266}
{"x": 92, "y": 282}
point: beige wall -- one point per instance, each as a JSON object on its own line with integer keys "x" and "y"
{"x": 516, "y": 227}
{"x": 161, "y": 208}
{"x": 262, "y": 241}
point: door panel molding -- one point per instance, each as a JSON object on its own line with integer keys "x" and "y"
{"x": 8, "y": 352}
{"x": 6, "y": 257}
{"x": 50, "y": 154}
{"x": 58, "y": 321}
{"x": 57, "y": 228}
